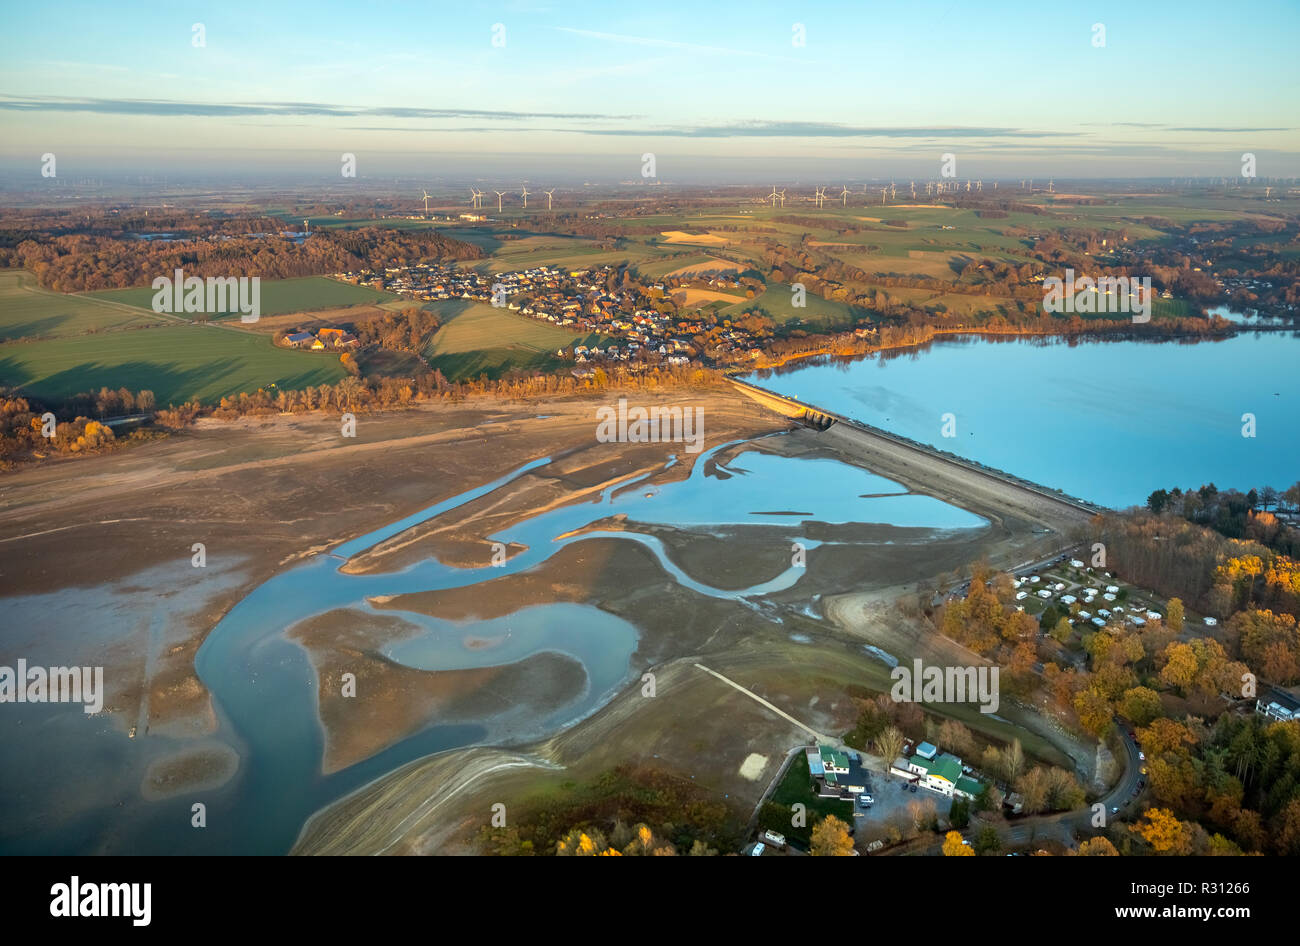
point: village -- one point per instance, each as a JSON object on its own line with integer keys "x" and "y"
{"x": 641, "y": 322}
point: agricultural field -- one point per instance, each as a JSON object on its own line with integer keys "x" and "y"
{"x": 563, "y": 251}
{"x": 178, "y": 362}
{"x": 818, "y": 313}
{"x": 479, "y": 339}
{"x": 27, "y": 311}
{"x": 278, "y": 296}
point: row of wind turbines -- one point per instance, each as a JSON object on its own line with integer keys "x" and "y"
{"x": 890, "y": 191}
{"x": 476, "y": 198}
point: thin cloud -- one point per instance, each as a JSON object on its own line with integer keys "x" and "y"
{"x": 780, "y": 129}
{"x": 171, "y": 108}
{"x": 755, "y": 129}
{"x": 1231, "y": 130}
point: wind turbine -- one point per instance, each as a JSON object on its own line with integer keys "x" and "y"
{"x": 499, "y": 194}
{"x": 892, "y": 190}
{"x": 475, "y": 197}
{"x": 844, "y": 196}
{"x": 426, "y": 205}
{"x": 782, "y": 198}
{"x": 773, "y": 196}
{"x": 819, "y": 195}
{"x": 929, "y": 186}
{"x": 913, "y": 183}
{"x": 1050, "y": 186}
{"x": 525, "y": 196}
{"x": 968, "y": 185}
{"x": 979, "y": 185}
{"x": 883, "y": 192}
{"x": 549, "y": 194}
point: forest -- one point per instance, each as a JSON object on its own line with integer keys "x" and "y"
{"x": 83, "y": 262}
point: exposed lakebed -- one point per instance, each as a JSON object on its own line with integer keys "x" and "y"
{"x": 265, "y": 688}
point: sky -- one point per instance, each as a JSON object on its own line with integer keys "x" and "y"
{"x": 717, "y": 92}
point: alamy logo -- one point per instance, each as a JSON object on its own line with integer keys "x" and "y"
{"x": 1108, "y": 294}
{"x": 78, "y": 899}
{"x": 653, "y": 425}
{"x": 214, "y": 296}
{"x": 26, "y": 684}
{"x": 921, "y": 684}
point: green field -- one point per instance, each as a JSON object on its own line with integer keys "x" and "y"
{"x": 178, "y": 362}
{"x": 27, "y": 311}
{"x": 818, "y": 313}
{"x": 479, "y": 339}
{"x": 278, "y": 296}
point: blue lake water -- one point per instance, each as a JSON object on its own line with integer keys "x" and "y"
{"x": 1108, "y": 421}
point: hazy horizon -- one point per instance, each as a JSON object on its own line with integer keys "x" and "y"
{"x": 741, "y": 94}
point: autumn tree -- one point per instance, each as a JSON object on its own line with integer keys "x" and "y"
{"x": 1164, "y": 832}
{"x": 1097, "y": 847}
{"x": 830, "y": 838}
{"x": 889, "y": 744}
{"x": 1174, "y": 614}
{"x": 954, "y": 845}
{"x": 1140, "y": 705}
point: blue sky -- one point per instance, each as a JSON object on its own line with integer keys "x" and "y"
{"x": 1013, "y": 89}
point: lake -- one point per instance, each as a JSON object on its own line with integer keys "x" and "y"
{"x": 1108, "y": 421}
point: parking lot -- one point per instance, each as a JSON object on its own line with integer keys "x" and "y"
{"x": 892, "y": 796}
